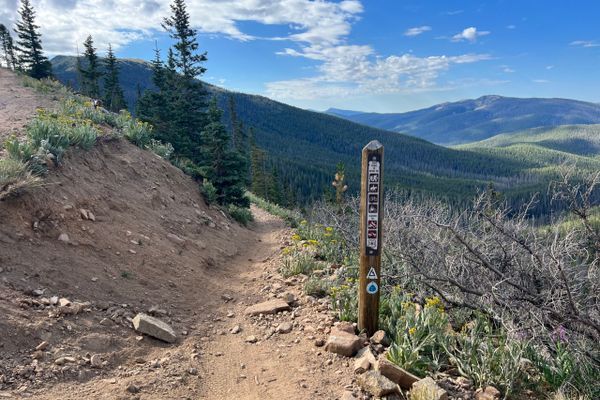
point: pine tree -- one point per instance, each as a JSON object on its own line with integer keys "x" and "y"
{"x": 186, "y": 44}
{"x": 184, "y": 95}
{"x": 29, "y": 44}
{"x": 113, "y": 93}
{"x": 90, "y": 70}
{"x": 221, "y": 162}
{"x": 6, "y": 43}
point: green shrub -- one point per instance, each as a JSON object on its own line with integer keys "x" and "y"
{"x": 487, "y": 356}
{"x": 83, "y": 135}
{"x": 210, "y": 192}
{"x": 240, "y": 214}
{"x": 189, "y": 168}
{"x": 297, "y": 264}
{"x": 14, "y": 176}
{"x": 316, "y": 287}
{"x": 138, "y": 133}
{"x": 48, "y": 135}
{"x": 419, "y": 334}
{"x": 17, "y": 150}
{"x": 345, "y": 301}
{"x": 163, "y": 150}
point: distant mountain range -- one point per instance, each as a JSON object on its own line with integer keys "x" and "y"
{"x": 475, "y": 120}
{"x": 305, "y": 146}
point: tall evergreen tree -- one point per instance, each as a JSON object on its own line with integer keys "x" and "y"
{"x": 29, "y": 44}
{"x": 113, "y": 93}
{"x": 221, "y": 162}
{"x": 187, "y": 60}
{"x": 89, "y": 70}
{"x": 6, "y": 43}
{"x": 185, "y": 96}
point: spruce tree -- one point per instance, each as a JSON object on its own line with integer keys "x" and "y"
{"x": 6, "y": 43}
{"x": 29, "y": 44}
{"x": 89, "y": 70}
{"x": 187, "y": 96}
{"x": 221, "y": 162}
{"x": 113, "y": 93}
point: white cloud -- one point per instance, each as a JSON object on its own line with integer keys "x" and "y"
{"x": 470, "y": 34}
{"x": 507, "y": 69}
{"x": 417, "y": 30}
{"x": 511, "y": 27}
{"x": 540, "y": 81}
{"x": 549, "y": 67}
{"x": 585, "y": 43}
{"x": 356, "y": 70}
{"x": 65, "y": 23}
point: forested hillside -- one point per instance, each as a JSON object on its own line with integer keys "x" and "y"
{"x": 583, "y": 140}
{"x": 473, "y": 120}
{"x": 304, "y": 148}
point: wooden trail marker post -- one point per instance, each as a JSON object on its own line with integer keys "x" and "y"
{"x": 371, "y": 216}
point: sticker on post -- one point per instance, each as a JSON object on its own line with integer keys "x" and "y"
{"x": 372, "y": 274}
{"x": 372, "y": 288}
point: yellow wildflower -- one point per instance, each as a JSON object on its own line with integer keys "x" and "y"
{"x": 412, "y": 331}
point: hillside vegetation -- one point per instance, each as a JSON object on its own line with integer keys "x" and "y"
{"x": 305, "y": 147}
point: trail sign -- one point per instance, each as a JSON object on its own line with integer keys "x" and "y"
{"x": 371, "y": 216}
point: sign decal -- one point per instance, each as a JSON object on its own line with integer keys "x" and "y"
{"x": 372, "y": 288}
{"x": 373, "y": 189}
{"x": 372, "y": 274}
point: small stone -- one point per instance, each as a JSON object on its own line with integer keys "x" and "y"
{"x": 343, "y": 343}
{"x": 42, "y": 346}
{"x": 376, "y": 384}
{"x": 193, "y": 371}
{"x": 154, "y": 327}
{"x": 284, "y": 327}
{"x": 94, "y": 279}
{"x": 63, "y": 302}
{"x": 289, "y": 298}
{"x": 380, "y": 337}
{"x": 175, "y": 239}
{"x": 96, "y": 361}
{"x": 54, "y": 300}
{"x": 236, "y": 329}
{"x": 364, "y": 360}
{"x": 91, "y": 216}
{"x": 230, "y": 314}
{"x": 267, "y": 307}
{"x": 319, "y": 342}
{"x": 347, "y": 395}
{"x": 426, "y": 388}
{"x": 251, "y": 339}
{"x": 489, "y": 393}
{"x": 63, "y": 237}
{"x": 394, "y": 373}
{"x": 133, "y": 388}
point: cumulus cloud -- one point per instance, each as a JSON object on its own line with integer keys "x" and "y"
{"x": 64, "y": 23}
{"x": 356, "y": 70}
{"x": 416, "y": 31}
{"x": 470, "y": 34}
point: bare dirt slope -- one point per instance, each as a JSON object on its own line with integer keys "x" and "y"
{"x": 117, "y": 231}
{"x": 17, "y": 104}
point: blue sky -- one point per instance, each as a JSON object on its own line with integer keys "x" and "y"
{"x": 375, "y": 55}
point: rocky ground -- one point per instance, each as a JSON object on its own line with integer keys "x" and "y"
{"x": 118, "y": 248}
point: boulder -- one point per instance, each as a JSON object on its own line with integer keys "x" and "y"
{"x": 426, "y": 388}
{"x": 154, "y": 327}
{"x": 268, "y": 307}
{"x": 376, "y": 384}
{"x": 343, "y": 343}
{"x": 394, "y": 373}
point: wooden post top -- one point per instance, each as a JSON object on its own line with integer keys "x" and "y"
{"x": 373, "y": 145}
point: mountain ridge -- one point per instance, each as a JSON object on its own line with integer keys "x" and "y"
{"x": 472, "y": 120}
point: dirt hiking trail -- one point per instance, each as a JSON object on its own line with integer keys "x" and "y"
{"x": 116, "y": 231}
